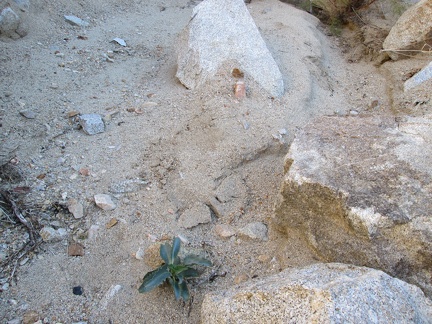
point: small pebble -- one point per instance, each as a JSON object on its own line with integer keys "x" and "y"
{"x": 28, "y": 114}
{"x": 104, "y": 202}
{"x": 78, "y": 290}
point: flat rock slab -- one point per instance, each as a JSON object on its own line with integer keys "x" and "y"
{"x": 411, "y": 32}
{"x": 360, "y": 191}
{"x": 223, "y": 31}
{"x": 420, "y": 77}
{"x": 320, "y": 293}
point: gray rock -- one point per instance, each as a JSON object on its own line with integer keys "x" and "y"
{"x": 49, "y": 234}
{"x": 320, "y": 293}
{"x": 360, "y": 191}
{"x": 9, "y": 22}
{"x": 75, "y": 21}
{"x": 199, "y": 213}
{"x": 75, "y": 208}
{"x": 411, "y": 32}
{"x": 424, "y": 75}
{"x": 92, "y": 124}
{"x": 223, "y": 32}
{"x": 224, "y": 230}
{"x": 29, "y": 114}
{"x": 24, "y": 5}
{"x": 104, "y": 202}
{"x": 254, "y": 231}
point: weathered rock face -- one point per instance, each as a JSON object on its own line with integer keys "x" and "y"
{"x": 424, "y": 75}
{"x": 223, "y": 32}
{"x": 321, "y": 293}
{"x": 412, "y": 31}
{"x": 360, "y": 190}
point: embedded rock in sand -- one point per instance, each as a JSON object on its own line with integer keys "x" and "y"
{"x": 320, "y": 293}
{"x": 223, "y": 31}
{"x": 360, "y": 191}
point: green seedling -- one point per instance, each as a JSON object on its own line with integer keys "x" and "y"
{"x": 174, "y": 270}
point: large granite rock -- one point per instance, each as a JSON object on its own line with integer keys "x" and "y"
{"x": 360, "y": 190}
{"x": 412, "y": 31}
{"x": 222, "y": 32}
{"x": 320, "y": 293}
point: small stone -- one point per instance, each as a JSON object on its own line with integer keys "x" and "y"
{"x": 49, "y": 234}
{"x": 28, "y": 114}
{"x": 15, "y": 321}
{"x": 114, "y": 289}
{"x": 255, "y": 231}
{"x": 75, "y": 249}
{"x": 24, "y": 261}
{"x": 104, "y": 202}
{"x": 9, "y": 22}
{"x": 240, "y": 89}
{"x": 139, "y": 254}
{"x": 5, "y": 286}
{"x": 75, "y": 208}
{"x": 119, "y": 41}
{"x": 84, "y": 172}
{"x": 241, "y": 278}
{"x": 54, "y": 85}
{"x": 73, "y": 113}
{"x": 30, "y": 317}
{"x": 78, "y": 290}
{"x": 224, "y": 231}
{"x": 92, "y": 124}
{"x": 149, "y": 104}
{"x": 111, "y": 223}
{"x": 75, "y": 21}
{"x": 199, "y": 213}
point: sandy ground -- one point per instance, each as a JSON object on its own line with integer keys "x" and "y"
{"x": 188, "y": 148}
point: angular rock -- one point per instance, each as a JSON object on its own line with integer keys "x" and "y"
{"x": 75, "y": 249}
{"x": 223, "y": 32}
{"x": 198, "y": 214}
{"x": 75, "y": 208}
{"x": 320, "y": 293}
{"x": 9, "y": 22}
{"x": 104, "y": 202}
{"x": 224, "y": 230}
{"x": 411, "y": 32}
{"x": 75, "y": 21}
{"x": 424, "y": 75}
{"x": 360, "y": 191}
{"x": 92, "y": 124}
{"x": 254, "y": 231}
{"x": 49, "y": 234}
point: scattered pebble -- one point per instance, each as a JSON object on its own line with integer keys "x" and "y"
{"x": 75, "y": 208}
{"x": 264, "y": 258}
{"x": 139, "y": 254}
{"x": 29, "y": 114}
{"x": 111, "y": 223}
{"x": 254, "y": 231}
{"x": 75, "y": 21}
{"x": 104, "y": 202}
{"x": 240, "y": 90}
{"x": 75, "y": 249}
{"x": 24, "y": 261}
{"x": 92, "y": 124}
{"x": 78, "y": 290}
{"x": 84, "y": 172}
{"x": 49, "y": 234}
{"x": 119, "y": 41}
{"x": 152, "y": 257}
{"x": 30, "y": 317}
{"x": 224, "y": 230}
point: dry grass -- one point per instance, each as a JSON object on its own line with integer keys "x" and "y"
{"x": 335, "y": 11}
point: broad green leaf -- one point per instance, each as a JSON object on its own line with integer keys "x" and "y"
{"x": 176, "y": 287}
{"x": 165, "y": 252}
{"x": 195, "y": 259}
{"x": 181, "y": 290}
{"x": 184, "y": 291}
{"x": 154, "y": 278}
{"x": 190, "y": 273}
{"x": 176, "y": 248}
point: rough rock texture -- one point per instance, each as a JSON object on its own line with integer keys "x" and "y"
{"x": 223, "y": 32}
{"x": 9, "y": 22}
{"x": 199, "y": 213}
{"x": 320, "y": 293}
{"x": 360, "y": 190}
{"x": 412, "y": 31}
{"x": 424, "y": 75}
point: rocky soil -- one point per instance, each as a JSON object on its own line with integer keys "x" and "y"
{"x": 202, "y": 164}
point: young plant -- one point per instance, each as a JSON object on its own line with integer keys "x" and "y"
{"x": 174, "y": 270}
